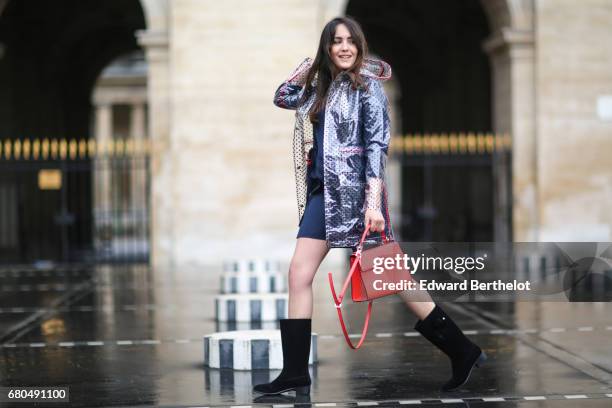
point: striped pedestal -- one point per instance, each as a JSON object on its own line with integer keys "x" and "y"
{"x": 232, "y": 326}
{"x": 258, "y": 282}
{"x": 251, "y": 307}
{"x": 238, "y": 385}
{"x": 251, "y": 266}
{"x": 248, "y": 350}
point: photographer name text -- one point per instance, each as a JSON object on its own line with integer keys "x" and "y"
{"x": 473, "y": 284}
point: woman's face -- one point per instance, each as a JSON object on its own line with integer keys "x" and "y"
{"x": 343, "y": 50}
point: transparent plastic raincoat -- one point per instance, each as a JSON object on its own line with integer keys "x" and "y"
{"x": 356, "y": 139}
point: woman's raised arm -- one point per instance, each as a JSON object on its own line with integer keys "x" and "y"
{"x": 290, "y": 91}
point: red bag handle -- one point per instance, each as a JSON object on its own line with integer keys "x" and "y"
{"x": 338, "y": 299}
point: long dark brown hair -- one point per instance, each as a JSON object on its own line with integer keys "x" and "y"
{"x": 323, "y": 66}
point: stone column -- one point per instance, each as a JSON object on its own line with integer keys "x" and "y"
{"x": 137, "y": 122}
{"x": 512, "y": 57}
{"x": 138, "y": 173}
{"x": 161, "y": 239}
{"x": 104, "y": 133}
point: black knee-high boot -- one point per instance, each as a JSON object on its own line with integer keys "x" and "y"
{"x": 295, "y": 339}
{"x": 442, "y": 331}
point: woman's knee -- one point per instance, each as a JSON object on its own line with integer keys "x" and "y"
{"x": 300, "y": 275}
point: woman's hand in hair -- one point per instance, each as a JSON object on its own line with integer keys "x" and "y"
{"x": 289, "y": 93}
{"x": 376, "y": 220}
{"x": 299, "y": 74}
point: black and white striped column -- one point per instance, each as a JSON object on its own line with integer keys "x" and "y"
{"x": 232, "y": 326}
{"x": 239, "y": 383}
{"x": 251, "y": 307}
{"x": 251, "y": 266}
{"x": 248, "y": 350}
{"x": 259, "y": 282}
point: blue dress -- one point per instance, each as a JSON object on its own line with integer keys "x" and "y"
{"x": 312, "y": 224}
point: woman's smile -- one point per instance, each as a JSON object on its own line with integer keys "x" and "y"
{"x": 343, "y": 50}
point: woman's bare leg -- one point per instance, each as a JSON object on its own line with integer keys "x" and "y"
{"x": 419, "y": 302}
{"x": 308, "y": 255}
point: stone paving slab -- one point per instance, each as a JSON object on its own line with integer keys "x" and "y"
{"x": 135, "y": 338}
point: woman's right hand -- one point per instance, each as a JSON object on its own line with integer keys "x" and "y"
{"x": 375, "y": 219}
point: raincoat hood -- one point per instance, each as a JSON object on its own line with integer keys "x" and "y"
{"x": 375, "y": 68}
{"x": 370, "y": 68}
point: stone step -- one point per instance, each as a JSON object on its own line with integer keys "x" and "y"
{"x": 232, "y": 282}
{"x": 251, "y": 307}
{"x": 248, "y": 350}
{"x": 255, "y": 265}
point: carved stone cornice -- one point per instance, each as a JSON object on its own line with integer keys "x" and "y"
{"x": 507, "y": 39}
{"x": 155, "y": 44}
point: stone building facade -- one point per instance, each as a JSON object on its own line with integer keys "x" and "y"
{"x": 551, "y": 67}
{"x": 221, "y": 172}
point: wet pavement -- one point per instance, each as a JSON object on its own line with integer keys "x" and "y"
{"x": 131, "y": 336}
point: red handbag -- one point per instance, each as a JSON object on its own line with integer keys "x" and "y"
{"x": 362, "y": 277}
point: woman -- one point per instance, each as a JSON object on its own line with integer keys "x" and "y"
{"x": 340, "y": 189}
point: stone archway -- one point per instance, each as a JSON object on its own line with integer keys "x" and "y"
{"x": 46, "y": 77}
{"x": 511, "y": 48}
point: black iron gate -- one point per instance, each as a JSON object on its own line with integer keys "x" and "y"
{"x": 74, "y": 201}
{"x": 455, "y": 187}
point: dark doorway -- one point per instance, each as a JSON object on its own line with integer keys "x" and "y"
{"x": 435, "y": 50}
